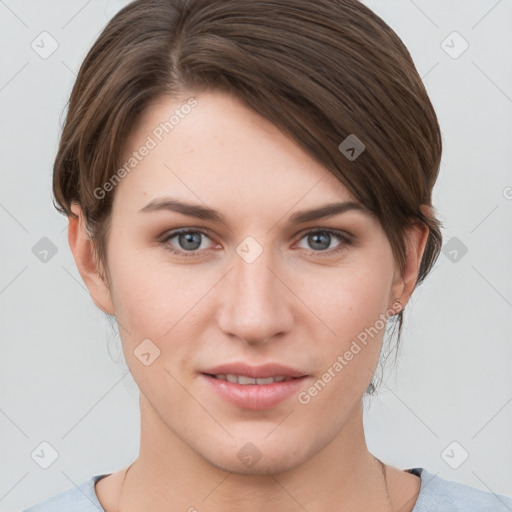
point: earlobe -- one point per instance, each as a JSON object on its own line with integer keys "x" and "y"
{"x": 82, "y": 248}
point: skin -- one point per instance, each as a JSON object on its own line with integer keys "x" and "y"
{"x": 294, "y": 304}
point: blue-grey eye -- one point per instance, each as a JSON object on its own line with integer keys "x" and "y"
{"x": 320, "y": 240}
{"x": 190, "y": 240}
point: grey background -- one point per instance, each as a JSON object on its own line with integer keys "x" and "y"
{"x": 60, "y": 380}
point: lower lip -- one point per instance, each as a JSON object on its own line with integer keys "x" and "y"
{"x": 255, "y": 396}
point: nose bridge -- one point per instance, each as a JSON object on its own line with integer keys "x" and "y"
{"x": 255, "y": 302}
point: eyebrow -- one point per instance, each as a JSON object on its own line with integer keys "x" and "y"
{"x": 205, "y": 213}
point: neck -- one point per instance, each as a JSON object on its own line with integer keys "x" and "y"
{"x": 168, "y": 475}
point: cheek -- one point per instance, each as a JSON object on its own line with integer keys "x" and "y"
{"x": 347, "y": 299}
{"x": 154, "y": 298}
{"x": 153, "y": 307}
{"x": 144, "y": 297}
{"x": 352, "y": 306}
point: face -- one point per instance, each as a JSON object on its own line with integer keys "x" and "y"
{"x": 252, "y": 284}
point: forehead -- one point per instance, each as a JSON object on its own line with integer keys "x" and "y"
{"x": 213, "y": 145}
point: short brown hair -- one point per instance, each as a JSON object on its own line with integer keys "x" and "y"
{"x": 320, "y": 71}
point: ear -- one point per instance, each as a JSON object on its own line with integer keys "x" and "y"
{"x": 417, "y": 237}
{"x": 83, "y": 251}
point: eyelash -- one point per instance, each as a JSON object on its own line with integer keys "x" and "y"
{"x": 343, "y": 238}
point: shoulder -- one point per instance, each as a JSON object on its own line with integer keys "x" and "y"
{"x": 81, "y": 498}
{"x": 440, "y": 495}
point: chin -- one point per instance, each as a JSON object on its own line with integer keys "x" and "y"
{"x": 258, "y": 457}
{"x": 265, "y": 466}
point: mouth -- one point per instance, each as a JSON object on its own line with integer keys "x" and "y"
{"x": 253, "y": 387}
{"x": 256, "y": 393}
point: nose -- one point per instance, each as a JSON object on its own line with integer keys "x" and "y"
{"x": 257, "y": 303}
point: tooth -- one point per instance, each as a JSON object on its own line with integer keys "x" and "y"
{"x": 268, "y": 380}
{"x": 242, "y": 379}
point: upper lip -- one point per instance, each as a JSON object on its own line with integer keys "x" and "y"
{"x": 256, "y": 372}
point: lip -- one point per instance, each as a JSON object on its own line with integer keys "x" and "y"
{"x": 256, "y": 372}
{"x": 254, "y": 396}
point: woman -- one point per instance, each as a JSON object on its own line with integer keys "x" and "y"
{"x": 249, "y": 191}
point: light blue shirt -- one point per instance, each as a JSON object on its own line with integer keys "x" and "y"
{"x": 436, "y": 495}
